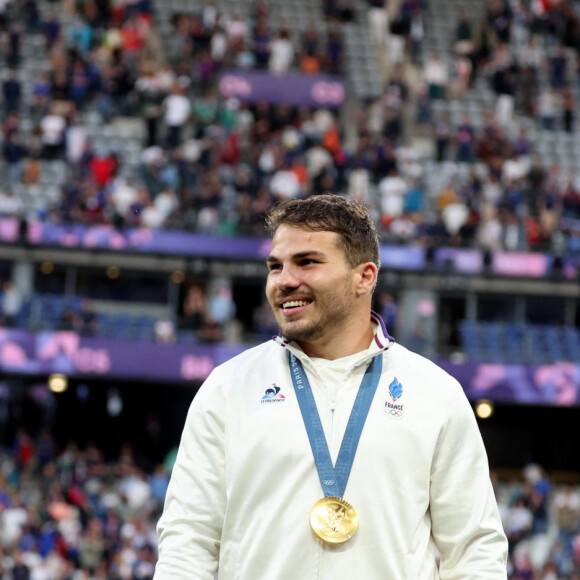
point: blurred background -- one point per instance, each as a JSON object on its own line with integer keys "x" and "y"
{"x": 143, "y": 142}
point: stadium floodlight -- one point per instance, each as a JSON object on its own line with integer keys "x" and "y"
{"x": 484, "y": 409}
{"x": 58, "y": 383}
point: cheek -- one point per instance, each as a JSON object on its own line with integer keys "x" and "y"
{"x": 270, "y": 288}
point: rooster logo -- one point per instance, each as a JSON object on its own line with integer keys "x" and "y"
{"x": 273, "y": 392}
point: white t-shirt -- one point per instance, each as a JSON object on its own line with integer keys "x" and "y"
{"x": 152, "y": 218}
{"x": 124, "y": 195}
{"x": 177, "y": 110}
{"x": 281, "y": 55}
{"x": 392, "y": 190}
{"x": 10, "y": 205}
{"x": 285, "y": 183}
{"x": 53, "y": 127}
{"x": 76, "y": 142}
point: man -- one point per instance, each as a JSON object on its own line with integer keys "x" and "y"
{"x": 260, "y": 488}
{"x": 177, "y": 109}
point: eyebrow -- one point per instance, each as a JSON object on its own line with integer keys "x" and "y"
{"x": 309, "y": 254}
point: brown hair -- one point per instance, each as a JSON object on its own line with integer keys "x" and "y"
{"x": 332, "y": 213}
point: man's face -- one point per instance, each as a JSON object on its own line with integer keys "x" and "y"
{"x": 310, "y": 287}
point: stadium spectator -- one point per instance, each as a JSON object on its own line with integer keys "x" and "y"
{"x": 518, "y": 525}
{"x": 378, "y": 21}
{"x": 281, "y": 52}
{"x": 310, "y": 51}
{"x": 567, "y": 511}
{"x": 11, "y": 303}
{"x": 194, "y": 309}
{"x": 20, "y": 571}
{"x": 13, "y": 44}
{"x": 177, "y": 111}
{"x": 12, "y": 92}
{"x": 69, "y": 320}
{"x": 558, "y": 68}
{"x": 13, "y": 154}
{"x": 334, "y": 61}
{"x": 463, "y": 34}
{"x": 164, "y": 331}
{"x": 88, "y": 320}
{"x": 568, "y": 110}
{"x": 436, "y": 76}
{"x": 79, "y": 35}
{"x": 392, "y": 189}
{"x": 53, "y": 127}
{"x": 51, "y": 29}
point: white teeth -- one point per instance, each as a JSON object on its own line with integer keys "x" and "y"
{"x": 294, "y": 303}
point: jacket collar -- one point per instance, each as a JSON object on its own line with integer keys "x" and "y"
{"x": 381, "y": 342}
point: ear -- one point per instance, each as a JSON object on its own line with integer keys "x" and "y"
{"x": 368, "y": 273}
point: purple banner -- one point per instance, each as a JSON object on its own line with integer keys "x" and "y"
{"x": 528, "y": 265}
{"x": 293, "y": 89}
{"x": 551, "y": 384}
{"x": 23, "y": 352}
{"x": 571, "y": 267}
{"x": 464, "y": 261}
{"x": 9, "y": 229}
{"x": 403, "y": 257}
{"x": 107, "y": 237}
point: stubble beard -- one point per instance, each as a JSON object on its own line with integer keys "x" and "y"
{"x": 332, "y": 310}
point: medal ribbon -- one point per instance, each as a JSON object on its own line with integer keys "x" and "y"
{"x": 334, "y": 478}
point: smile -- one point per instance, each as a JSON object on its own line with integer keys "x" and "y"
{"x": 294, "y": 303}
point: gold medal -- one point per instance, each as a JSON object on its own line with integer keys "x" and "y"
{"x": 333, "y": 520}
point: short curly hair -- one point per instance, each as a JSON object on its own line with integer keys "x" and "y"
{"x": 332, "y": 213}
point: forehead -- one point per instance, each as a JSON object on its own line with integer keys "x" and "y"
{"x": 290, "y": 240}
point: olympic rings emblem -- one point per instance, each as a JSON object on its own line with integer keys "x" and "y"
{"x": 329, "y": 482}
{"x": 394, "y": 412}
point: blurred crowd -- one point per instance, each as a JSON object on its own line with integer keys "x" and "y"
{"x": 67, "y": 514}
{"x": 215, "y": 165}
{"x": 70, "y": 514}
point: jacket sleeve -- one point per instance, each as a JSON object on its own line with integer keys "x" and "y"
{"x": 466, "y": 525}
{"x": 191, "y": 524}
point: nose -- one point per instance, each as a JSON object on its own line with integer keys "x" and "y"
{"x": 287, "y": 278}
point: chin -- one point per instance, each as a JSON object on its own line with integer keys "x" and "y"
{"x": 303, "y": 334}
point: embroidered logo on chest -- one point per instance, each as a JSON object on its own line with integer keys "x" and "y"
{"x": 393, "y": 407}
{"x": 273, "y": 395}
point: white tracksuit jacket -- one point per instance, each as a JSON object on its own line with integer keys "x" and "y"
{"x": 244, "y": 481}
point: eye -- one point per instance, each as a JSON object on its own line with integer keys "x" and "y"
{"x": 273, "y": 267}
{"x": 308, "y": 262}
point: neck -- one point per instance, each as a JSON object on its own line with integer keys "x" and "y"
{"x": 348, "y": 342}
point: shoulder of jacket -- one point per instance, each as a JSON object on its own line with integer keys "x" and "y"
{"x": 418, "y": 368}
{"x": 256, "y": 357}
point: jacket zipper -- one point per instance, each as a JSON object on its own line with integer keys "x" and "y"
{"x": 332, "y": 408}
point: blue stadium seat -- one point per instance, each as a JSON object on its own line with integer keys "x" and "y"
{"x": 469, "y": 333}
{"x": 121, "y": 326}
{"x": 186, "y": 337}
{"x": 513, "y": 342}
{"x": 23, "y": 320}
{"x": 143, "y": 328}
{"x": 554, "y": 343}
{"x": 492, "y": 341}
{"x": 537, "y": 349}
{"x": 571, "y": 339}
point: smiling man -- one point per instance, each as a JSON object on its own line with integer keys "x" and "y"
{"x": 318, "y": 298}
{"x": 329, "y": 452}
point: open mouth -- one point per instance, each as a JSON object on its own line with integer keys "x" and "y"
{"x": 294, "y": 307}
{"x": 294, "y": 304}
